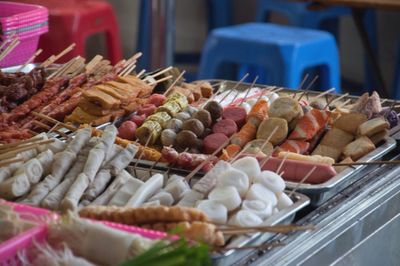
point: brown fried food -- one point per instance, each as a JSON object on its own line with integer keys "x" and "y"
{"x": 144, "y": 215}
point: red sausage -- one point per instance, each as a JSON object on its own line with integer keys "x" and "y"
{"x": 297, "y": 170}
{"x": 147, "y": 109}
{"x": 227, "y": 127}
{"x": 213, "y": 142}
{"x": 157, "y": 99}
{"x": 235, "y": 113}
{"x": 127, "y": 130}
{"x": 138, "y": 119}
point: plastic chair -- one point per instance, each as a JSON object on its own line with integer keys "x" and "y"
{"x": 299, "y": 15}
{"x": 73, "y": 21}
{"x": 284, "y": 52}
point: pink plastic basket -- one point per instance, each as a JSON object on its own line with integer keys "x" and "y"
{"x": 9, "y": 249}
{"x": 27, "y": 22}
{"x": 15, "y": 16}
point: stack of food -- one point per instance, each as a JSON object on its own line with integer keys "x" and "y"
{"x": 109, "y": 101}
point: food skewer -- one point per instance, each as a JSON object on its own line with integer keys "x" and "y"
{"x": 160, "y": 80}
{"x": 141, "y": 156}
{"x": 281, "y": 164}
{"x": 394, "y": 162}
{"x": 30, "y": 60}
{"x": 54, "y": 58}
{"x": 262, "y": 246}
{"x": 14, "y": 151}
{"x": 282, "y": 229}
{"x": 248, "y": 90}
{"x": 302, "y": 181}
{"x": 337, "y": 99}
{"x": 161, "y": 72}
{"x": 343, "y": 104}
{"x": 14, "y": 43}
{"x": 191, "y": 174}
{"x": 173, "y": 164}
{"x": 234, "y": 88}
{"x": 50, "y": 129}
{"x": 141, "y": 73}
{"x": 324, "y": 93}
{"x": 10, "y": 161}
{"x": 301, "y": 85}
{"x": 173, "y": 83}
{"x": 25, "y": 141}
{"x": 54, "y": 121}
{"x": 308, "y": 87}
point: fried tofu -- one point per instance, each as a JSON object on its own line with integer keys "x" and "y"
{"x": 358, "y": 148}
{"x": 380, "y": 136}
{"x": 100, "y": 98}
{"x": 92, "y": 108}
{"x": 350, "y": 122}
{"x": 337, "y": 138}
{"x": 339, "y": 169}
{"x": 373, "y": 126}
{"x": 327, "y": 151}
{"x": 82, "y": 117}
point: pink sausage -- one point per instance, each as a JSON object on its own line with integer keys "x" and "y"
{"x": 227, "y": 127}
{"x": 296, "y": 170}
{"x": 235, "y": 113}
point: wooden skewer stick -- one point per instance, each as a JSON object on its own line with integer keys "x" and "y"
{"x": 324, "y": 93}
{"x": 191, "y": 174}
{"x": 30, "y": 60}
{"x": 141, "y": 73}
{"x": 343, "y": 104}
{"x": 211, "y": 98}
{"x": 91, "y": 66}
{"x": 54, "y": 58}
{"x": 281, "y": 164}
{"x": 54, "y": 121}
{"x": 129, "y": 70}
{"x": 173, "y": 83}
{"x": 338, "y": 99}
{"x": 161, "y": 72}
{"x": 10, "y": 161}
{"x": 302, "y": 181}
{"x": 13, "y": 152}
{"x": 9, "y": 48}
{"x": 16, "y": 144}
{"x": 160, "y": 80}
{"x": 234, "y": 87}
{"x": 283, "y": 229}
{"x": 394, "y": 162}
{"x": 328, "y": 102}
{"x": 262, "y": 246}
{"x": 301, "y": 85}
{"x": 63, "y": 68}
{"x": 50, "y": 129}
{"x": 308, "y": 87}
{"x": 248, "y": 91}
{"x": 141, "y": 155}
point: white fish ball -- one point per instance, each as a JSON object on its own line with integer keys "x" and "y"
{"x": 271, "y": 180}
{"x": 236, "y": 178}
{"x": 215, "y": 211}
{"x": 245, "y": 218}
{"x": 249, "y": 165}
{"x": 259, "y": 207}
{"x": 284, "y": 201}
{"x": 227, "y": 196}
{"x": 259, "y": 192}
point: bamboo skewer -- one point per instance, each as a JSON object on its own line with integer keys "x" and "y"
{"x": 262, "y": 246}
{"x": 281, "y": 164}
{"x": 394, "y": 162}
{"x": 161, "y": 72}
{"x": 248, "y": 90}
{"x": 54, "y": 58}
{"x": 13, "y": 152}
{"x": 324, "y": 93}
{"x": 10, "y": 161}
{"x": 343, "y": 104}
{"x": 54, "y": 121}
{"x": 302, "y": 181}
{"x": 173, "y": 83}
{"x": 301, "y": 85}
{"x": 141, "y": 73}
{"x": 14, "y": 43}
{"x": 30, "y": 60}
{"x": 160, "y": 80}
{"x": 50, "y": 129}
{"x": 339, "y": 98}
{"x": 141, "y": 156}
{"x": 91, "y": 66}
{"x": 234, "y": 88}
{"x": 282, "y": 229}
{"x": 25, "y": 141}
{"x": 308, "y": 87}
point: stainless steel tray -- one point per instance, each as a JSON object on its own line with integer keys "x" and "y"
{"x": 322, "y": 192}
{"x": 285, "y": 216}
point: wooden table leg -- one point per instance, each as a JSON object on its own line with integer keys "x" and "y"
{"x": 358, "y": 16}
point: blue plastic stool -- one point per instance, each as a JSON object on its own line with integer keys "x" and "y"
{"x": 284, "y": 52}
{"x": 396, "y": 79}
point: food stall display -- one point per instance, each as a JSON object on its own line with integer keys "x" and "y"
{"x": 215, "y": 160}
